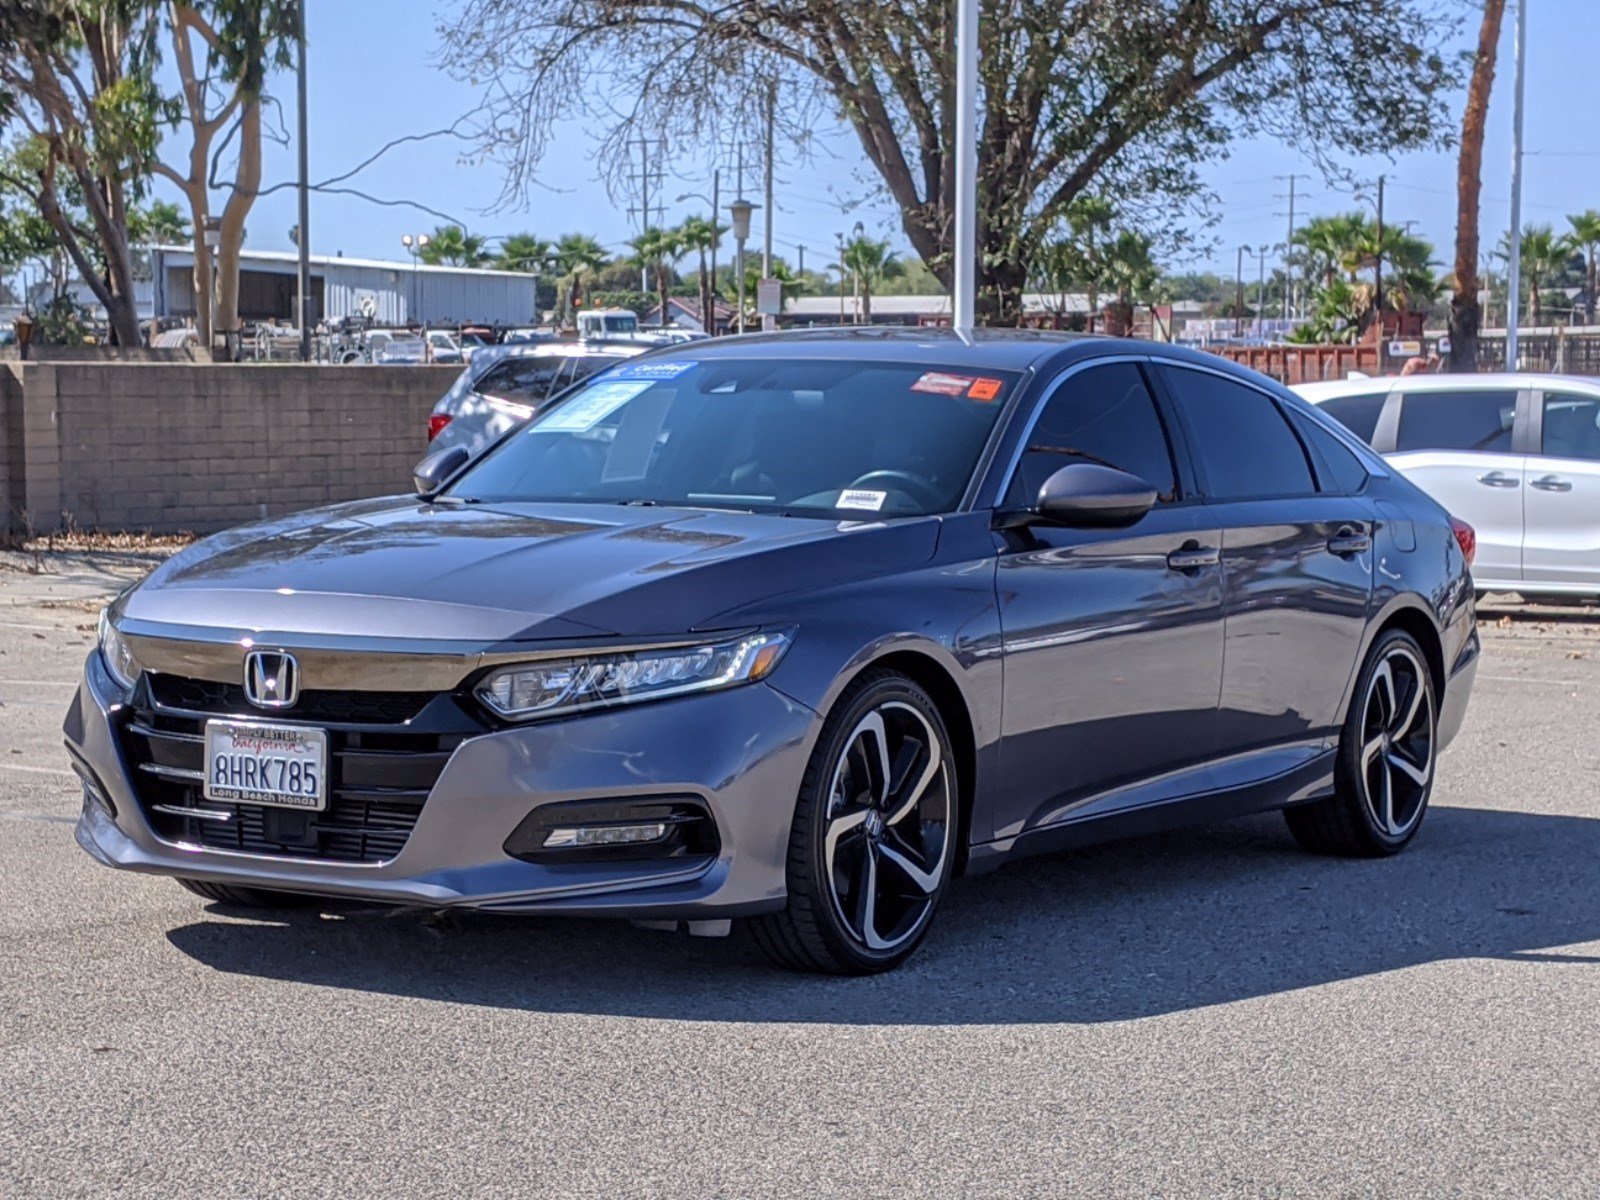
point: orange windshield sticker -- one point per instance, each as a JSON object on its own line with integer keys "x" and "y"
{"x": 985, "y": 389}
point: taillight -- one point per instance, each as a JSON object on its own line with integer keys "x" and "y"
{"x": 1466, "y": 537}
{"x": 436, "y": 424}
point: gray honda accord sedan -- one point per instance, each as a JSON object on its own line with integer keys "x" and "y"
{"x": 792, "y": 630}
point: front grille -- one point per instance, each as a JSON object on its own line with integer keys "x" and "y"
{"x": 380, "y": 771}
{"x": 227, "y": 699}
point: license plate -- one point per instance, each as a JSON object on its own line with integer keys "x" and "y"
{"x": 252, "y": 763}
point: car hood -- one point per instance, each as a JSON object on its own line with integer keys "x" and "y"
{"x": 402, "y": 568}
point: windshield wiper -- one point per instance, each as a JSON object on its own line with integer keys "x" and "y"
{"x": 641, "y": 503}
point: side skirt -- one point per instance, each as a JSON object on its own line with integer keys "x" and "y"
{"x": 1311, "y": 780}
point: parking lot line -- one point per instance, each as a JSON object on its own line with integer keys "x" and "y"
{"x": 37, "y": 770}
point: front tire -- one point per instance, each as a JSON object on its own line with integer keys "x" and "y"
{"x": 235, "y": 896}
{"x": 872, "y": 844}
{"x": 1383, "y": 778}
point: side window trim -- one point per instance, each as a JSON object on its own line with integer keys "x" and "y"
{"x": 1386, "y": 434}
{"x": 1048, "y": 393}
{"x": 1165, "y": 366}
{"x": 1527, "y": 423}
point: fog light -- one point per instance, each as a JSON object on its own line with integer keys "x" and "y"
{"x": 605, "y": 835}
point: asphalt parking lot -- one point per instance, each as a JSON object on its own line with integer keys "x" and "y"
{"x": 1205, "y": 1014}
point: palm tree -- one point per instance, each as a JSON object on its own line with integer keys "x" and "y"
{"x": 869, "y": 261}
{"x": 1129, "y": 269}
{"x": 453, "y": 245}
{"x": 1586, "y": 240}
{"x": 702, "y": 235}
{"x": 1544, "y": 254}
{"x": 658, "y": 249}
{"x": 1334, "y": 245}
{"x": 577, "y": 254}
{"x": 525, "y": 252}
{"x": 1465, "y": 313}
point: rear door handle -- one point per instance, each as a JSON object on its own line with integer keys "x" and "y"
{"x": 1349, "y": 542}
{"x": 1551, "y": 483}
{"x": 1498, "y": 479}
{"x": 1194, "y": 556}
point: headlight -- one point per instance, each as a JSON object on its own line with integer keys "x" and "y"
{"x": 114, "y": 650}
{"x": 567, "y": 685}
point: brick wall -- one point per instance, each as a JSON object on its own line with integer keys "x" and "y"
{"x": 199, "y": 447}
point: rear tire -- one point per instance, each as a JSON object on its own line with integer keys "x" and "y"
{"x": 1383, "y": 777}
{"x": 872, "y": 844}
{"x": 235, "y": 896}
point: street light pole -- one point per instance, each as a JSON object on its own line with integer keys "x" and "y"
{"x": 1238, "y": 290}
{"x": 1514, "y": 274}
{"x": 964, "y": 303}
{"x": 304, "y": 238}
{"x": 740, "y": 210}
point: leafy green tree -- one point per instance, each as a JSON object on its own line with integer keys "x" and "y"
{"x": 1585, "y": 240}
{"x": 222, "y": 51}
{"x": 78, "y": 97}
{"x": 577, "y": 255}
{"x": 158, "y": 222}
{"x": 1078, "y": 97}
{"x": 1340, "y": 249}
{"x": 700, "y": 236}
{"x": 525, "y": 252}
{"x": 451, "y": 245}
{"x": 868, "y": 261}
{"x": 1545, "y": 256}
{"x": 1129, "y": 269}
{"x": 657, "y": 249}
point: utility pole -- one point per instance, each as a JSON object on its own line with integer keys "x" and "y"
{"x": 964, "y": 306}
{"x": 769, "y": 322}
{"x": 709, "y": 320}
{"x": 1514, "y": 274}
{"x": 646, "y": 174}
{"x": 841, "y": 279}
{"x": 801, "y": 269}
{"x": 1290, "y": 283}
{"x": 1238, "y": 291}
{"x": 1378, "y": 293}
{"x": 1261, "y": 288}
{"x": 303, "y": 240}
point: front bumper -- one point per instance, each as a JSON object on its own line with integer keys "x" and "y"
{"x": 741, "y": 753}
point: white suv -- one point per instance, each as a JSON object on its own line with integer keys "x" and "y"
{"x": 1516, "y": 456}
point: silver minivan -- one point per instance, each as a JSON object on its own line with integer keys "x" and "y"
{"x": 1516, "y": 456}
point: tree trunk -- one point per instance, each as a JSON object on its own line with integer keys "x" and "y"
{"x": 246, "y": 185}
{"x": 866, "y": 300}
{"x": 1588, "y": 294}
{"x": 708, "y": 316}
{"x": 661, "y": 291}
{"x": 1465, "y": 314}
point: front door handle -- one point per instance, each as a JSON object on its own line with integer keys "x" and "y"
{"x": 1498, "y": 479}
{"x": 1349, "y": 542}
{"x": 1193, "y": 556}
{"x": 1552, "y": 483}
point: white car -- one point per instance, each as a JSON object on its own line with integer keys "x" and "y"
{"x": 505, "y": 385}
{"x": 1515, "y": 456}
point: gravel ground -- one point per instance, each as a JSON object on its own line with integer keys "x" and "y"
{"x": 1204, "y": 1014}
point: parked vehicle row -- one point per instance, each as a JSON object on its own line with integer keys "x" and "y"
{"x": 1516, "y": 456}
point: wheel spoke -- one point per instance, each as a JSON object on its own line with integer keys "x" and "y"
{"x": 912, "y": 796}
{"x": 872, "y": 724}
{"x": 1383, "y": 693}
{"x": 1371, "y": 751}
{"x": 1404, "y": 723}
{"x": 924, "y": 881}
{"x": 1417, "y": 775}
{"x": 1388, "y": 799}
{"x": 837, "y": 828}
{"x": 866, "y": 900}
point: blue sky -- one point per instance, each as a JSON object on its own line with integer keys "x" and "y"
{"x": 372, "y": 78}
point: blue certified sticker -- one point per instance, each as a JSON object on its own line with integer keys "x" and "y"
{"x": 650, "y": 370}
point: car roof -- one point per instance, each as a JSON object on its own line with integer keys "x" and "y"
{"x": 1485, "y": 381}
{"x": 976, "y": 349}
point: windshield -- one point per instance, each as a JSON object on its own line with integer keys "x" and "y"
{"x": 798, "y": 436}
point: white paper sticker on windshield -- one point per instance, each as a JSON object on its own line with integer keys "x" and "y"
{"x": 856, "y": 498}
{"x": 587, "y": 410}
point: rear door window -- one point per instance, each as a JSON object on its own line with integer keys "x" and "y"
{"x": 1242, "y": 439}
{"x": 1458, "y": 420}
{"x": 1571, "y": 426}
{"x": 522, "y": 380}
{"x": 1358, "y": 414}
{"x": 1338, "y": 469}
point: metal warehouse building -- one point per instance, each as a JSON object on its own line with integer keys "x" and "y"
{"x": 388, "y": 293}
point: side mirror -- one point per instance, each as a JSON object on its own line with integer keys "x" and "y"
{"x": 1090, "y": 496}
{"x": 434, "y": 471}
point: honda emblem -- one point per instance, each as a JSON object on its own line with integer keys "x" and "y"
{"x": 271, "y": 678}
